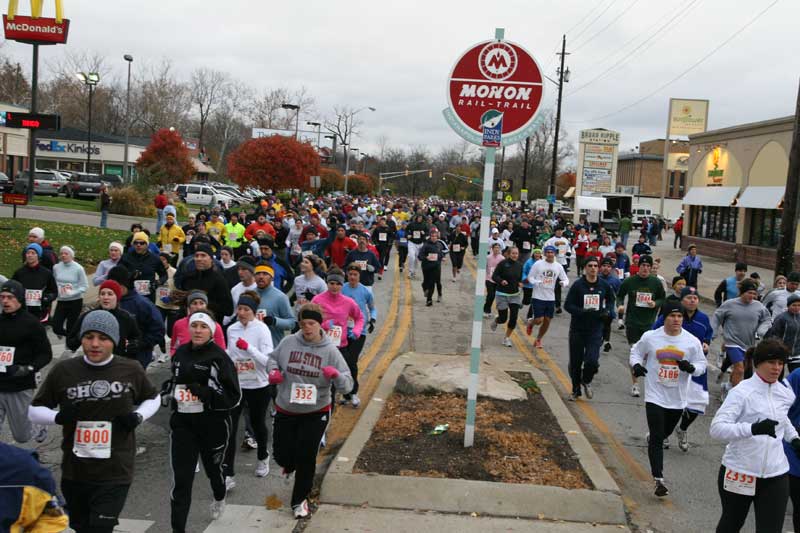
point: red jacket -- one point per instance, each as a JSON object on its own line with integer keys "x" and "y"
{"x": 338, "y": 250}
{"x": 678, "y": 225}
{"x": 321, "y": 231}
{"x": 253, "y": 228}
{"x": 160, "y": 201}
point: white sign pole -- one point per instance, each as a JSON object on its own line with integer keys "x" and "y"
{"x": 666, "y": 157}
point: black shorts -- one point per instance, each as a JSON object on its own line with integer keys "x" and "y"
{"x": 92, "y": 506}
{"x": 634, "y": 333}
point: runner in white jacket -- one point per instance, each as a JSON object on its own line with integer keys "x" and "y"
{"x": 754, "y": 420}
{"x": 547, "y": 277}
{"x": 667, "y": 356}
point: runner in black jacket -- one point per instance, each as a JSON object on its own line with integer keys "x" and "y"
{"x": 431, "y": 254}
{"x": 40, "y": 285}
{"x": 507, "y": 277}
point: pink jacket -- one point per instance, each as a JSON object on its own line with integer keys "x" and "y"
{"x": 181, "y": 335}
{"x": 339, "y": 308}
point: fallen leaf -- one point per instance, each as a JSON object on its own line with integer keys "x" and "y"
{"x": 272, "y": 502}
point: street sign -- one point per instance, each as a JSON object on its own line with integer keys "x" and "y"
{"x": 523, "y": 195}
{"x": 551, "y": 198}
{"x": 315, "y": 182}
{"x": 15, "y": 199}
{"x": 30, "y": 121}
{"x": 509, "y": 198}
{"x": 494, "y": 92}
{"x": 35, "y": 29}
{"x": 504, "y": 184}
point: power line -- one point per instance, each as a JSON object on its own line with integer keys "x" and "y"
{"x": 603, "y": 12}
{"x": 629, "y": 54}
{"x": 691, "y": 68}
{"x": 586, "y": 16}
{"x": 604, "y": 28}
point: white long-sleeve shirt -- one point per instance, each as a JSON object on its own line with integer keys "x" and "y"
{"x": 659, "y": 353}
{"x": 748, "y": 402}
{"x": 237, "y": 291}
{"x": 543, "y": 276}
{"x": 251, "y": 364}
{"x": 563, "y": 246}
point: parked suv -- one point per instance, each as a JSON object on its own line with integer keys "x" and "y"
{"x": 44, "y": 182}
{"x": 82, "y": 185}
{"x": 202, "y": 194}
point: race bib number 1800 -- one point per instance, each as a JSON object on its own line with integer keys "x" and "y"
{"x": 92, "y": 440}
{"x": 739, "y": 483}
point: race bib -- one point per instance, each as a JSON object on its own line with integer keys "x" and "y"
{"x": 260, "y": 314}
{"x": 382, "y": 237}
{"x": 417, "y": 234}
{"x": 549, "y": 282}
{"x": 188, "y": 239}
{"x": 33, "y": 298}
{"x": 526, "y": 245}
{"x": 306, "y": 253}
{"x": 167, "y": 248}
{"x": 668, "y": 374}
{"x": 296, "y": 249}
{"x": 142, "y": 286}
{"x": 162, "y": 292}
{"x": 233, "y": 236}
{"x": 6, "y": 357}
{"x": 92, "y": 440}
{"x": 739, "y": 483}
{"x": 304, "y": 394}
{"x": 187, "y": 402}
{"x": 456, "y": 248}
{"x": 65, "y": 290}
{"x": 246, "y": 369}
{"x": 643, "y": 299}
{"x": 335, "y": 335}
{"x": 433, "y": 257}
{"x": 591, "y": 301}
{"x": 362, "y": 265}
{"x": 403, "y": 240}
{"x": 620, "y": 273}
{"x": 562, "y": 250}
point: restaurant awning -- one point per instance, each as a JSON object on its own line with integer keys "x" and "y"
{"x": 594, "y": 203}
{"x": 711, "y": 196}
{"x": 570, "y": 192}
{"x": 761, "y": 197}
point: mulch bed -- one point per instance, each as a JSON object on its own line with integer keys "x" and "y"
{"x": 515, "y": 441}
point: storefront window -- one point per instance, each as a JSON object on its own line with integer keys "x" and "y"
{"x": 765, "y": 227}
{"x": 46, "y": 164}
{"x": 95, "y": 168}
{"x": 74, "y": 166}
{"x": 116, "y": 170}
{"x": 717, "y": 223}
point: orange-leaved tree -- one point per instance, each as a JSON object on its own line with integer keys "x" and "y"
{"x": 564, "y": 181}
{"x": 275, "y": 162}
{"x": 331, "y": 180}
{"x": 361, "y": 184}
{"x": 165, "y": 160}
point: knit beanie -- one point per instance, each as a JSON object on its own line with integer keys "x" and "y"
{"x": 67, "y": 249}
{"x": 115, "y": 246}
{"x": 103, "y": 322}
{"x": 35, "y": 247}
{"x": 197, "y": 295}
{"x": 248, "y": 301}
{"x": 671, "y": 306}
{"x": 140, "y": 236}
{"x": 205, "y": 319}
{"x": 794, "y": 297}
{"x": 14, "y": 287}
{"x": 121, "y": 275}
{"x": 37, "y": 232}
{"x": 204, "y": 248}
{"x": 114, "y": 286}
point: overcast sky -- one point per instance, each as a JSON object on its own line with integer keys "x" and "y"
{"x": 396, "y": 56}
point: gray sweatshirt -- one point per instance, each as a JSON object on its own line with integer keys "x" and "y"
{"x": 786, "y": 328}
{"x": 741, "y": 322}
{"x": 301, "y": 363}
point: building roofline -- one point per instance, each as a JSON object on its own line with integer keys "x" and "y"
{"x": 743, "y": 128}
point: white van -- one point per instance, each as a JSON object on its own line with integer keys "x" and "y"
{"x": 638, "y": 212}
{"x": 199, "y": 194}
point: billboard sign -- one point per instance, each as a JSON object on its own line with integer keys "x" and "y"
{"x": 687, "y": 117}
{"x": 497, "y": 85}
{"x": 597, "y": 162}
{"x": 35, "y": 29}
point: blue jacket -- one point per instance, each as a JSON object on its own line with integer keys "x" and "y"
{"x": 613, "y": 281}
{"x": 276, "y": 304}
{"x": 699, "y": 326}
{"x": 794, "y": 418}
{"x": 623, "y": 262}
{"x": 690, "y": 267}
{"x": 364, "y": 299}
{"x": 526, "y": 269}
{"x": 587, "y": 320}
{"x": 149, "y": 320}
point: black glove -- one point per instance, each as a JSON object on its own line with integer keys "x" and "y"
{"x": 67, "y": 414}
{"x": 796, "y": 446}
{"x": 20, "y": 371}
{"x": 127, "y": 423}
{"x": 201, "y": 391}
{"x": 308, "y": 295}
{"x": 133, "y": 347}
{"x": 764, "y": 427}
{"x": 639, "y": 370}
{"x": 269, "y": 320}
{"x": 371, "y": 326}
{"x": 686, "y": 366}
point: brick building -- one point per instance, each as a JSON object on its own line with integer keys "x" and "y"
{"x": 639, "y": 172}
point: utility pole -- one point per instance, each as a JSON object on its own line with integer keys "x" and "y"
{"x": 32, "y": 132}
{"x": 552, "y": 188}
{"x": 791, "y": 201}
{"x": 525, "y": 169}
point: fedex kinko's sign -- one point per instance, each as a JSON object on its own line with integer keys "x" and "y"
{"x": 35, "y": 29}
{"x": 496, "y": 76}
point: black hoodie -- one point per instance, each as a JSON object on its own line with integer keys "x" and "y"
{"x": 23, "y": 332}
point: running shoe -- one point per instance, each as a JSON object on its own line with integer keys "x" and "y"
{"x": 661, "y": 489}
{"x": 723, "y": 391}
{"x": 163, "y": 358}
{"x": 262, "y": 468}
{"x": 607, "y": 347}
{"x": 558, "y": 310}
{"x": 323, "y": 441}
{"x": 429, "y": 303}
{"x": 507, "y": 342}
{"x": 217, "y": 508}
{"x": 493, "y": 325}
{"x": 683, "y": 440}
{"x": 301, "y": 510}
{"x": 439, "y": 299}
{"x": 573, "y": 397}
{"x": 230, "y": 483}
{"x": 665, "y": 444}
{"x": 41, "y": 434}
{"x": 587, "y": 390}
{"x": 635, "y": 391}
{"x": 620, "y": 325}
{"x": 529, "y": 327}
{"x": 249, "y": 443}
{"x": 538, "y": 343}
{"x": 355, "y": 400}
{"x": 401, "y": 269}
{"x": 487, "y": 315}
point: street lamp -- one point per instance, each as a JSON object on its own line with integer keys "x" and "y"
{"x": 296, "y": 109}
{"x": 333, "y": 148}
{"x": 317, "y": 125}
{"x": 126, "y": 173}
{"x": 346, "y": 156}
{"x": 90, "y": 80}
{"x": 364, "y": 158}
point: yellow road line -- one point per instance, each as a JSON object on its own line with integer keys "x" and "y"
{"x": 624, "y": 456}
{"x": 366, "y": 359}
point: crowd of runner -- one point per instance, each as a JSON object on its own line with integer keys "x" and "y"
{"x": 263, "y": 313}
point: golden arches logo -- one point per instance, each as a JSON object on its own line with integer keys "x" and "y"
{"x": 36, "y": 9}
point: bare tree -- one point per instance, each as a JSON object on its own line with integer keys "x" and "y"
{"x": 206, "y": 86}
{"x": 266, "y": 110}
{"x": 226, "y": 129}
{"x": 160, "y": 100}
{"x": 14, "y": 85}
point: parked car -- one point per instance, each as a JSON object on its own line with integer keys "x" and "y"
{"x": 44, "y": 182}
{"x": 83, "y": 185}
{"x": 202, "y": 194}
{"x": 6, "y": 185}
{"x": 112, "y": 180}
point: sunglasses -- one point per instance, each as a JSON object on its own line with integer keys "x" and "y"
{"x": 139, "y": 243}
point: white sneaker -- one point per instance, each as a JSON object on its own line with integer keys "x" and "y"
{"x": 635, "y": 390}
{"x": 683, "y": 440}
{"x": 355, "y": 400}
{"x": 487, "y": 315}
{"x": 230, "y": 483}
{"x": 301, "y": 510}
{"x": 217, "y": 509}
{"x": 40, "y": 434}
{"x": 723, "y": 391}
{"x": 197, "y": 467}
{"x": 262, "y": 468}
{"x": 493, "y": 325}
{"x": 322, "y": 442}
{"x": 507, "y": 342}
{"x": 163, "y": 358}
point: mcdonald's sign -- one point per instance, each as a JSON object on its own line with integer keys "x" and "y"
{"x": 35, "y": 28}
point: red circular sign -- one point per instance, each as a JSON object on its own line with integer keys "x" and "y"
{"x": 495, "y": 76}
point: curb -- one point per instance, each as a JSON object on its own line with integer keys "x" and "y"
{"x": 342, "y": 486}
